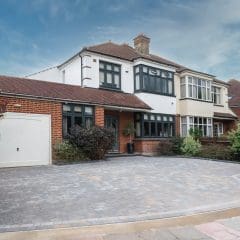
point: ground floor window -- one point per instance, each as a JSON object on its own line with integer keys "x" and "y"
{"x": 202, "y": 123}
{"x": 76, "y": 115}
{"x": 154, "y": 125}
{"x": 218, "y": 129}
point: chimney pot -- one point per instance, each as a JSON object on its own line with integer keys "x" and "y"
{"x": 141, "y": 44}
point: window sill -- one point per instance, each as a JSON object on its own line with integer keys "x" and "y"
{"x": 218, "y": 105}
{"x": 151, "y": 138}
{"x": 110, "y": 89}
{"x": 198, "y": 100}
{"x": 161, "y": 94}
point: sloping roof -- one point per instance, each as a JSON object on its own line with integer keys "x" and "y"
{"x": 127, "y": 52}
{"x": 224, "y": 115}
{"x": 234, "y": 93}
{"x": 220, "y": 81}
{"x": 64, "y": 92}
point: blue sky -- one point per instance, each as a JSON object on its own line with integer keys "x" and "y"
{"x": 203, "y": 35}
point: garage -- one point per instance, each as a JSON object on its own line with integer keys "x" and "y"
{"x": 25, "y": 139}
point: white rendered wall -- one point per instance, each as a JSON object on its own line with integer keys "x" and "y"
{"x": 50, "y": 75}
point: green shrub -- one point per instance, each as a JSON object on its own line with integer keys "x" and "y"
{"x": 234, "y": 137}
{"x": 196, "y": 133}
{"x": 190, "y": 146}
{"x": 66, "y": 152}
{"x": 176, "y": 145}
{"x": 94, "y": 142}
{"x": 216, "y": 151}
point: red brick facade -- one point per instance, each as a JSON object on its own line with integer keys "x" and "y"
{"x": 99, "y": 116}
{"x": 23, "y": 105}
{"x": 146, "y": 146}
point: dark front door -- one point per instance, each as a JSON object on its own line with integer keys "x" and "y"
{"x": 112, "y": 122}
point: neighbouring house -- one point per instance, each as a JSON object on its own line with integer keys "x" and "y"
{"x": 113, "y": 84}
{"x": 234, "y": 96}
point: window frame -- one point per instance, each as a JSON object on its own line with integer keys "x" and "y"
{"x": 215, "y": 94}
{"x": 105, "y": 71}
{"x": 155, "y": 121}
{"x": 74, "y": 114}
{"x": 156, "y": 82}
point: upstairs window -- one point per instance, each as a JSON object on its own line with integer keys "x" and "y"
{"x": 76, "y": 115}
{"x": 109, "y": 75}
{"x": 216, "y": 95}
{"x": 196, "y": 88}
{"x": 153, "y": 80}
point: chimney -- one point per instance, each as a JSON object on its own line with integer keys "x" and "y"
{"x": 141, "y": 44}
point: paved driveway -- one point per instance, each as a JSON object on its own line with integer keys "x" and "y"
{"x": 118, "y": 190}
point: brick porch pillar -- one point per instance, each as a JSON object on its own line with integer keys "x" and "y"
{"x": 99, "y": 116}
{"x": 177, "y": 125}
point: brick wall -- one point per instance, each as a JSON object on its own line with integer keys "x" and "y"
{"x": 177, "y": 125}
{"x": 23, "y": 105}
{"x": 99, "y": 116}
{"x": 146, "y": 146}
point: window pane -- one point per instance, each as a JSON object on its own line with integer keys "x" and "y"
{"x": 184, "y": 119}
{"x": 158, "y": 85}
{"x": 170, "y": 87}
{"x": 145, "y": 69}
{"x": 89, "y": 110}
{"x": 145, "y": 82}
{"x": 164, "y": 118}
{"x": 165, "y": 129}
{"x": 66, "y": 108}
{"x": 109, "y": 78}
{"x": 159, "y": 129}
{"x": 146, "y": 129}
{"x": 66, "y": 125}
{"x": 164, "y": 86}
{"x": 116, "y": 68}
{"x": 137, "y": 82}
{"x": 184, "y": 130}
{"x": 164, "y": 74}
{"x": 138, "y": 129}
{"x": 170, "y": 119}
{"x": 136, "y": 69}
{"x": 77, "y": 109}
{"x": 101, "y": 77}
{"x": 153, "y": 130}
{"x": 109, "y": 67}
{"x": 78, "y": 120}
{"x": 183, "y": 91}
{"x": 158, "y": 118}
{"x": 194, "y": 91}
{"x": 145, "y": 117}
{"x": 151, "y": 83}
{"x": 101, "y": 65}
{"x": 189, "y": 90}
{"x": 170, "y": 129}
{"x": 152, "y": 117}
{"x": 117, "y": 80}
{"x": 88, "y": 122}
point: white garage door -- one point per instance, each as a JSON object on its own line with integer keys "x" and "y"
{"x": 25, "y": 139}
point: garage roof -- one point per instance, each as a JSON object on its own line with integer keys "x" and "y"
{"x": 64, "y": 92}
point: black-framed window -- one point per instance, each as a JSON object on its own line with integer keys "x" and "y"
{"x": 109, "y": 75}
{"x": 153, "y": 80}
{"x": 153, "y": 125}
{"x": 73, "y": 114}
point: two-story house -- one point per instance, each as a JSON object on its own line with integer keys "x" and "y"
{"x": 113, "y": 84}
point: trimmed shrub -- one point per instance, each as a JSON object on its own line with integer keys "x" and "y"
{"x": 176, "y": 145}
{"x": 66, "y": 152}
{"x": 216, "y": 151}
{"x": 196, "y": 133}
{"x": 190, "y": 146}
{"x": 94, "y": 142}
{"x": 234, "y": 137}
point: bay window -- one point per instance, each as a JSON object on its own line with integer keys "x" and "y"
{"x": 153, "y": 80}
{"x": 76, "y": 115}
{"x": 195, "y": 88}
{"x": 204, "y": 124}
{"x": 154, "y": 125}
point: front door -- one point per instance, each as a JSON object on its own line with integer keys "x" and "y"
{"x": 112, "y": 122}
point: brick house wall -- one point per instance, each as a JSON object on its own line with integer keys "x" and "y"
{"x": 146, "y": 146}
{"x": 99, "y": 116}
{"x": 24, "y": 105}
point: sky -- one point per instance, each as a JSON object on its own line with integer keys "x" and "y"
{"x": 202, "y": 34}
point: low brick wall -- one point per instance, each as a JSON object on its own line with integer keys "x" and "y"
{"x": 147, "y": 146}
{"x": 221, "y": 141}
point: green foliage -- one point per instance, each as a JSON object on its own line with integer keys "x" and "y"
{"x": 129, "y": 130}
{"x": 196, "y": 133}
{"x": 94, "y": 142}
{"x": 234, "y": 137}
{"x": 216, "y": 151}
{"x": 176, "y": 145}
{"x": 65, "y": 152}
{"x": 190, "y": 146}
